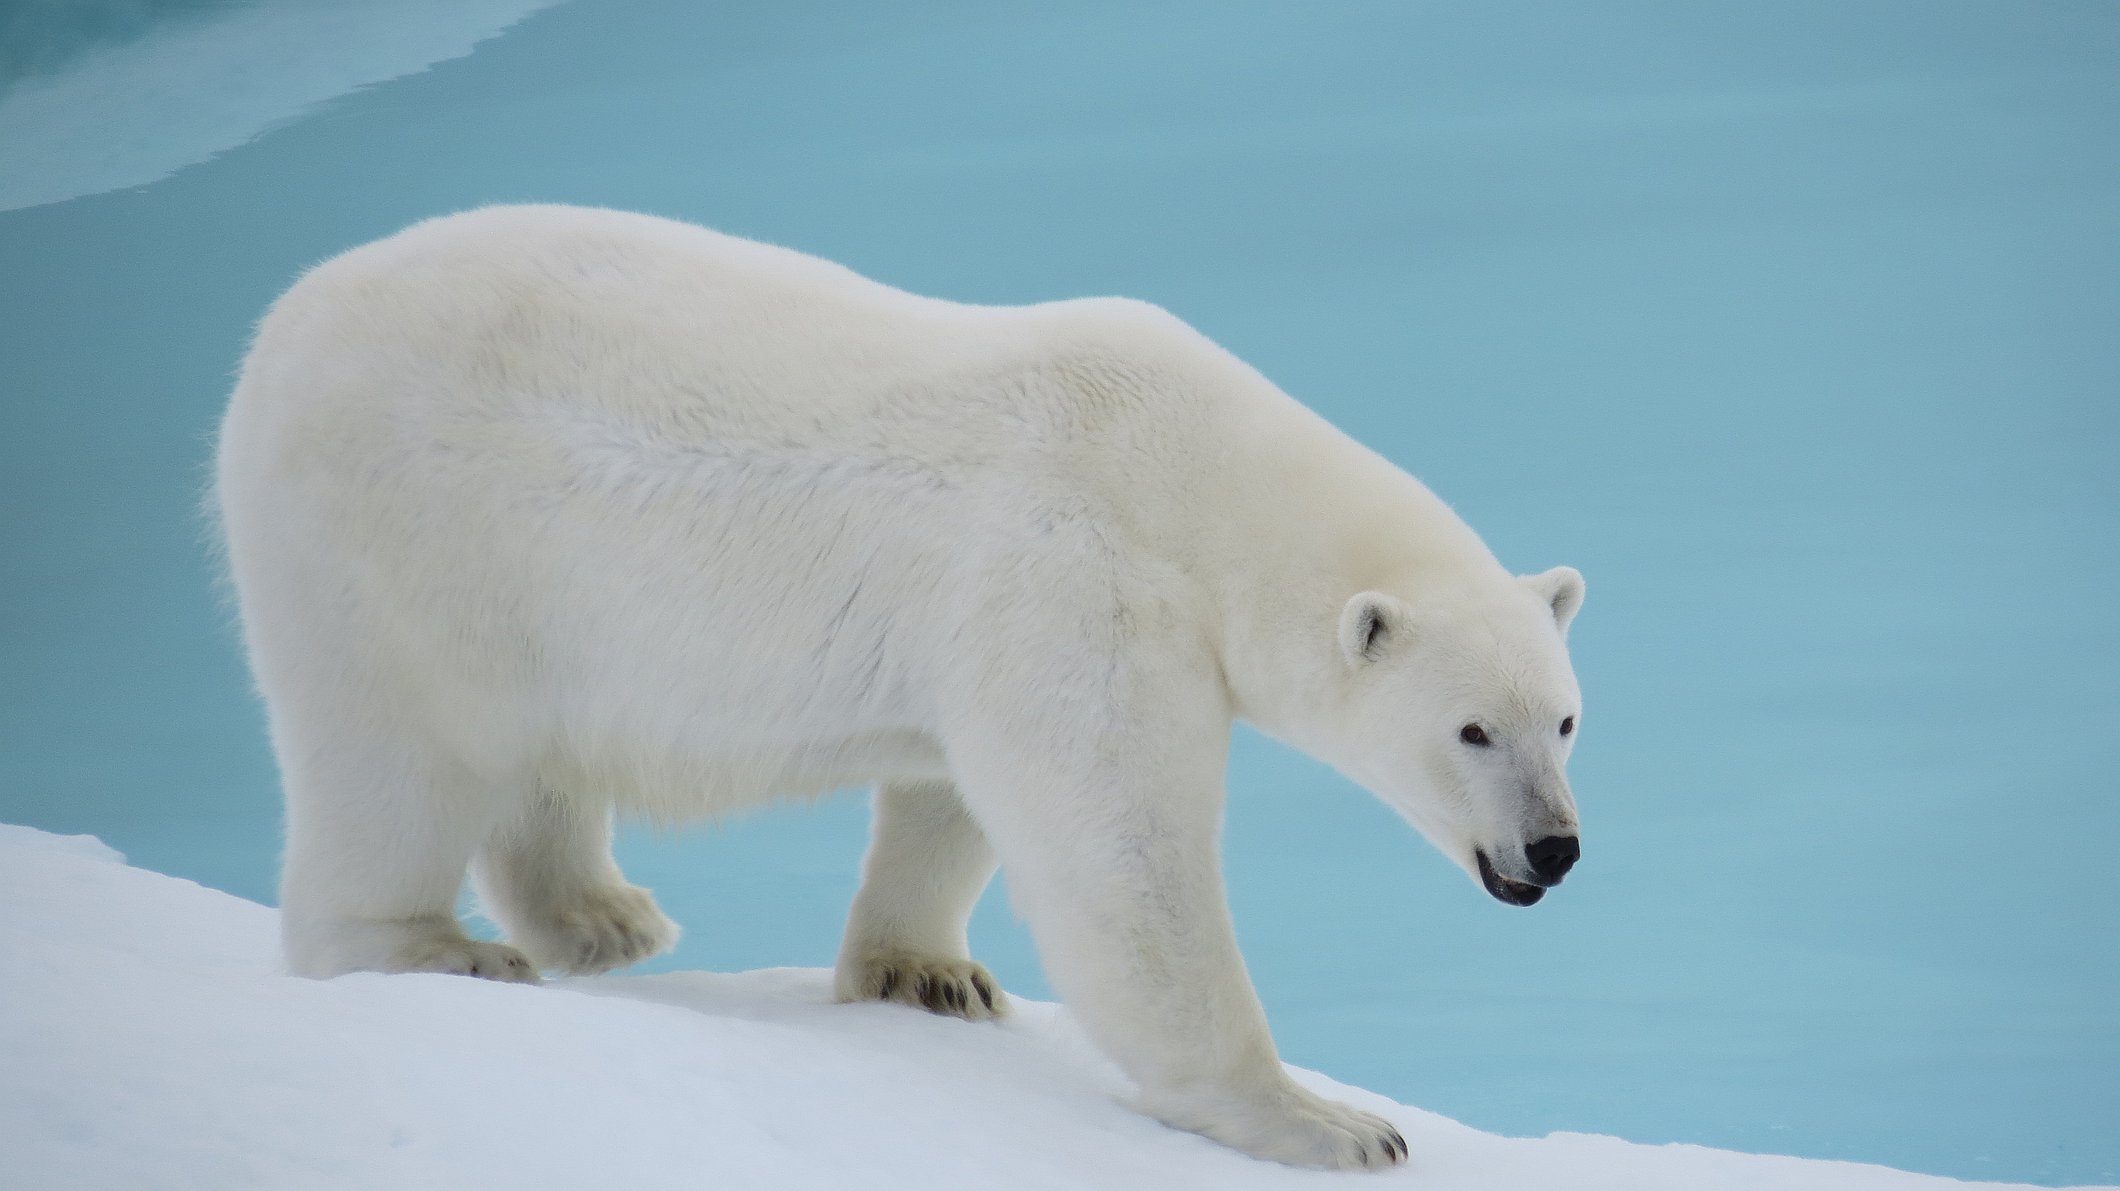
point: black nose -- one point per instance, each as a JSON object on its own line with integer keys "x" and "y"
{"x": 1552, "y": 857}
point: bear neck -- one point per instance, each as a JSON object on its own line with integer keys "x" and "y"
{"x": 1274, "y": 516}
{"x": 1300, "y": 519}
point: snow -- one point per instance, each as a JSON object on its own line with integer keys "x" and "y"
{"x": 147, "y": 1038}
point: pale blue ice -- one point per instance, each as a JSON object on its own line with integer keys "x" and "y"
{"x": 1794, "y": 326}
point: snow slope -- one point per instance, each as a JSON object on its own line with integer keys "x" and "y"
{"x": 147, "y": 1039}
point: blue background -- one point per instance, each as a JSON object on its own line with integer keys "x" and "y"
{"x": 1792, "y": 326}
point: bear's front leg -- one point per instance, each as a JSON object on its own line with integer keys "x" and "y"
{"x": 905, "y": 940}
{"x": 1110, "y": 842}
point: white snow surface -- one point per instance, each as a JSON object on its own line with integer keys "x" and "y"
{"x": 149, "y": 1040}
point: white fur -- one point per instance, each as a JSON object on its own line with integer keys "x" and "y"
{"x": 537, "y": 512}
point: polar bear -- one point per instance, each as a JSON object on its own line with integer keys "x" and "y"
{"x": 538, "y": 513}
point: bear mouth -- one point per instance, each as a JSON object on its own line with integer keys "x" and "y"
{"x": 1504, "y": 890}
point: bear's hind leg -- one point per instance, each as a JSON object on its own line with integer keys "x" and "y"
{"x": 905, "y": 940}
{"x": 548, "y": 878}
{"x": 378, "y": 837}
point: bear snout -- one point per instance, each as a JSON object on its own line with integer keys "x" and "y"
{"x": 1504, "y": 890}
{"x": 1552, "y": 857}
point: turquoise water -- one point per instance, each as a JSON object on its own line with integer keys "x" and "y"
{"x": 1791, "y": 325}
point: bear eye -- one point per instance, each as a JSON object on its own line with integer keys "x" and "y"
{"x": 1474, "y": 734}
{"x": 1568, "y": 726}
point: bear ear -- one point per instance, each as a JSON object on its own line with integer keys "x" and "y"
{"x": 1562, "y": 590}
{"x": 1371, "y": 623}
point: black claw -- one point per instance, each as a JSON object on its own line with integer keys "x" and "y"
{"x": 887, "y": 984}
{"x": 986, "y": 995}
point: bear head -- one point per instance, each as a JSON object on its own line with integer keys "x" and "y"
{"x": 1459, "y": 712}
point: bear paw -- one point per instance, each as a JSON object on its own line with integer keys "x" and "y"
{"x": 951, "y": 987}
{"x": 326, "y": 947}
{"x": 608, "y": 928}
{"x": 466, "y": 957}
{"x": 1291, "y": 1125}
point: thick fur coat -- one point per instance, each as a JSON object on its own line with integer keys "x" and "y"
{"x": 538, "y": 513}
